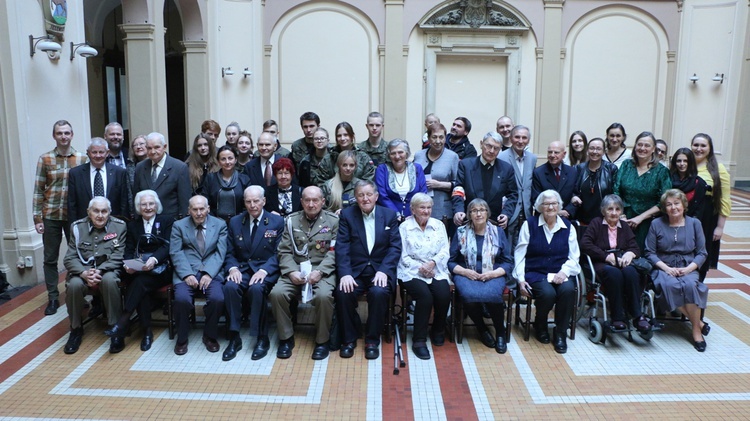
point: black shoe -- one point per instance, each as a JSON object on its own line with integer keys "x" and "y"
{"x": 285, "y": 348}
{"x": 52, "y": 307}
{"x": 700, "y": 346}
{"x": 261, "y": 348}
{"x": 561, "y": 346}
{"x": 235, "y": 344}
{"x": 116, "y": 331}
{"x": 542, "y": 335}
{"x": 347, "y": 350}
{"x": 372, "y": 352}
{"x": 117, "y": 344}
{"x": 147, "y": 340}
{"x": 705, "y": 330}
{"x": 486, "y": 337}
{"x": 320, "y": 352}
{"x": 500, "y": 346}
{"x": 421, "y": 351}
{"x": 437, "y": 339}
{"x": 74, "y": 341}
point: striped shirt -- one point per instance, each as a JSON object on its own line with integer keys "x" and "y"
{"x": 50, "y": 199}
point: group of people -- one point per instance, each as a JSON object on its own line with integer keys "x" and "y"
{"x": 326, "y": 224}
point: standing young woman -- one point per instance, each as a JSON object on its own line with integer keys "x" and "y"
{"x": 201, "y": 162}
{"x": 596, "y": 179}
{"x": 244, "y": 150}
{"x": 232, "y": 133}
{"x": 719, "y": 203}
{"x": 685, "y": 178}
{"x": 616, "y": 144}
{"x": 640, "y": 183}
{"x": 339, "y": 190}
{"x": 225, "y": 188}
{"x": 577, "y": 148}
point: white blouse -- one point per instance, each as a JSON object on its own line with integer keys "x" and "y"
{"x": 418, "y": 247}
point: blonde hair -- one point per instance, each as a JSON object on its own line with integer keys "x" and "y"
{"x": 337, "y": 186}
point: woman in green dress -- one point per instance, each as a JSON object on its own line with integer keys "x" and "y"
{"x": 640, "y": 182}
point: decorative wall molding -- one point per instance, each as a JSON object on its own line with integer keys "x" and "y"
{"x": 473, "y": 14}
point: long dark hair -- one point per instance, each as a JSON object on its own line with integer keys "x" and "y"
{"x": 692, "y": 167}
{"x": 713, "y": 168}
{"x": 576, "y": 158}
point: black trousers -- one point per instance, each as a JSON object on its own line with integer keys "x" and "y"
{"x": 258, "y": 294}
{"x": 183, "y": 297}
{"x": 378, "y": 299}
{"x": 437, "y": 296}
{"x": 497, "y": 314}
{"x": 561, "y": 296}
{"x": 138, "y": 296}
{"x": 622, "y": 287}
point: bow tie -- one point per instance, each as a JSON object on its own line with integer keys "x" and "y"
{"x": 289, "y": 190}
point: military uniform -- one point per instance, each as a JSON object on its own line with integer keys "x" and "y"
{"x": 100, "y": 248}
{"x": 379, "y": 154}
{"x": 314, "y": 171}
{"x": 365, "y": 164}
{"x": 303, "y": 240}
{"x": 347, "y": 196}
{"x": 300, "y": 148}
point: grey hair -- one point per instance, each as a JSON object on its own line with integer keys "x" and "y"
{"x": 147, "y": 192}
{"x": 156, "y": 136}
{"x": 254, "y": 189}
{"x": 609, "y": 200}
{"x": 399, "y": 142}
{"x": 545, "y": 195}
{"x": 494, "y": 136}
{"x": 520, "y": 127}
{"x": 98, "y": 141}
{"x": 112, "y": 124}
{"x": 100, "y": 199}
{"x": 364, "y": 183}
{"x": 419, "y": 199}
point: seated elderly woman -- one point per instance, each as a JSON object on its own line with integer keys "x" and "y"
{"x": 546, "y": 265}
{"x": 676, "y": 246}
{"x": 480, "y": 262}
{"x": 147, "y": 240}
{"x": 423, "y": 269}
{"x": 612, "y": 247}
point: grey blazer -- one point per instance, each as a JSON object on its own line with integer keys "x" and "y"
{"x": 524, "y": 184}
{"x": 183, "y": 248}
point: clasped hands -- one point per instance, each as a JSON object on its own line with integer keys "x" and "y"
{"x": 297, "y": 278}
{"x": 622, "y": 262}
{"x": 193, "y": 282}
{"x": 92, "y": 276}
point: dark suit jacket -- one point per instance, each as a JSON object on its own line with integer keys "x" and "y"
{"x": 80, "y": 194}
{"x": 250, "y": 257}
{"x": 255, "y": 172}
{"x": 212, "y": 187}
{"x": 503, "y": 185}
{"x": 544, "y": 179}
{"x": 172, "y": 186}
{"x": 162, "y": 228}
{"x": 596, "y": 240}
{"x": 272, "y": 199}
{"x": 183, "y": 248}
{"x": 352, "y": 256}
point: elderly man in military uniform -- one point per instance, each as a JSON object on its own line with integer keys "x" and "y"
{"x": 94, "y": 260}
{"x": 306, "y": 256}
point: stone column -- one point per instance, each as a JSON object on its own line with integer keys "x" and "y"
{"x": 549, "y": 94}
{"x": 196, "y": 84}
{"x": 669, "y": 97}
{"x": 394, "y": 92}
{"x": 145, "y": 70}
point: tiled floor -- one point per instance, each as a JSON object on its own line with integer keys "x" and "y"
{"x": 661, "y": 378}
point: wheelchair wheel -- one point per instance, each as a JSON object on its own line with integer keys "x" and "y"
{"x": 596, "y": 332}
{"x": 647, "y": 335}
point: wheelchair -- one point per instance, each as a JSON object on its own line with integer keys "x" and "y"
{"x": 594, "y": 307}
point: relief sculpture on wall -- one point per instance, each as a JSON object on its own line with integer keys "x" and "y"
{"x": 474, "y": 13}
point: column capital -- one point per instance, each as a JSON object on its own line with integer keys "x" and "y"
{"x": 554, "y": 3}
{"x": 194, "y": 47}
{"x": 393, "y": 2}
{"x": 142, "y": 31}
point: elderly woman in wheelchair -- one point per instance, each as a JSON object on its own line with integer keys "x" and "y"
{"x": 612, "y": 248}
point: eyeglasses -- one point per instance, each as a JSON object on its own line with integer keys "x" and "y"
{"x": 661, "y": 151}
{"x": 550, "y": 204}
{"x": 478, "y": 211}
{"x": 320, "y": 139}
{"x": 596, "y": 149}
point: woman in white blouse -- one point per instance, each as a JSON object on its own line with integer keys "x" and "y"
{"x": 423, "y": 269}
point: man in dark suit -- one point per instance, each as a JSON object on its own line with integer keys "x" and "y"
{"x": 368, "y": 248}
{"x": 259, "y": 168}
{"x": 167, "y": 176}
{"x": 558, "y": 176}
{"x": 97, "y": 178}
{"x": 489, "y": 178}
{"x": 198, "y": 246}
{"x": 523, "y": 163}
{"x": 252, "y": 268}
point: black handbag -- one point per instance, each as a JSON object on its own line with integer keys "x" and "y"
{"x": 641, "y": 264}
{"x": 151, "y": 242}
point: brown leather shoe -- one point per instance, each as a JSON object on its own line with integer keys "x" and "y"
{"x": 211, "y": 344}
{"x": 181, "y": 349}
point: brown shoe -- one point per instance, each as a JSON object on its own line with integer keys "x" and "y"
{"x": 211, "y": 344}
{"x": 181, "y": 349}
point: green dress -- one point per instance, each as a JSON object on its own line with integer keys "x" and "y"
{"x": 640, "y": 193}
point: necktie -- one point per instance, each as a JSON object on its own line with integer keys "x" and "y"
{"x": 253, "y": 230}
{"x": 98, "y": 183}
{"x": 154, "y": 174}
{"x": 286, "y": 201}
{"x": 557, "y": 174}
{"x": 268, "y": 174}
{"x": 200, "y": 239}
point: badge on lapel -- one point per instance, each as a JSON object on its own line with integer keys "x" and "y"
{"x": 110, "y": 236}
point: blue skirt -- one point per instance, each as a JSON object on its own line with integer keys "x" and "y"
{"x": 480, "y": 292}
